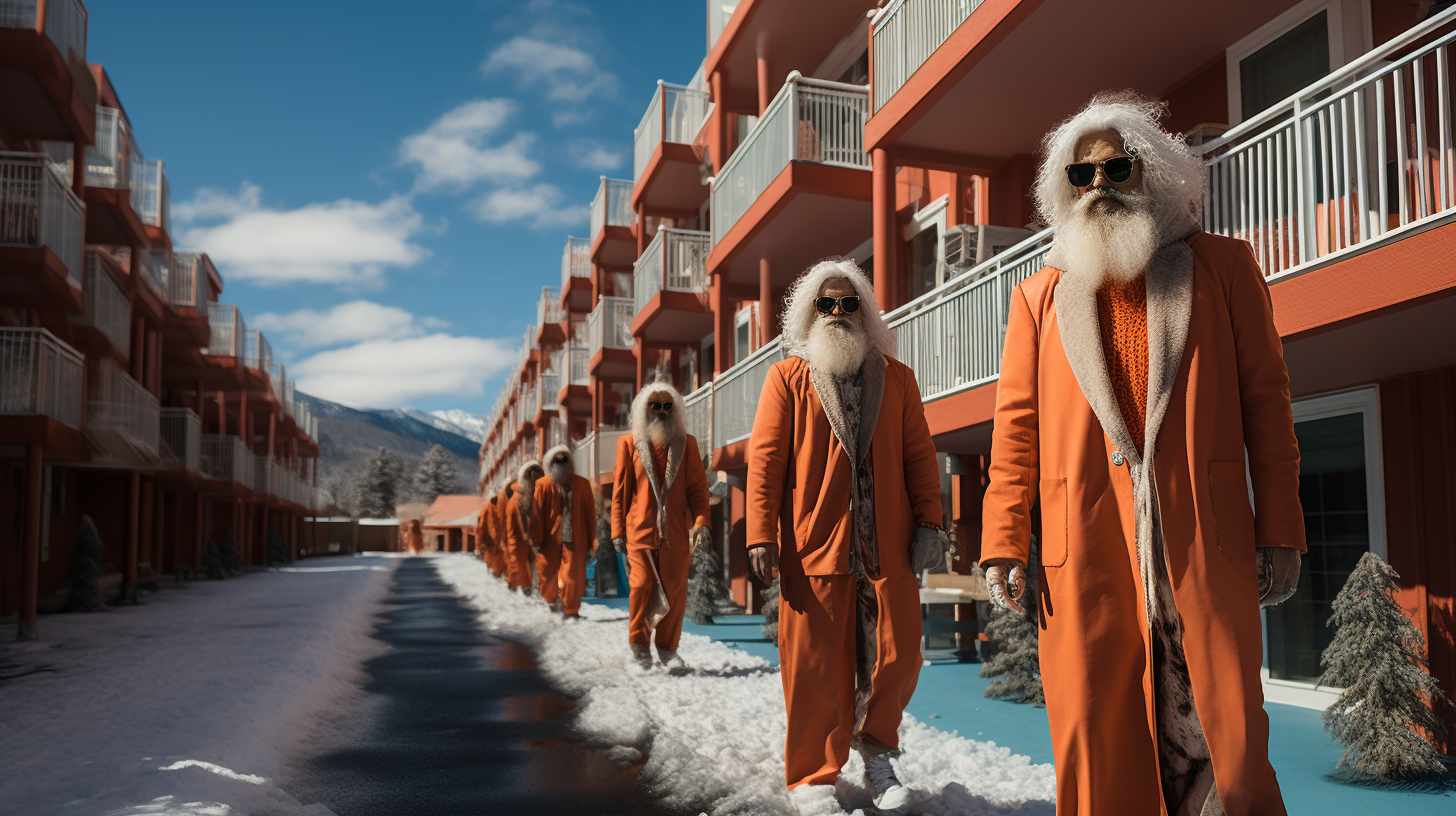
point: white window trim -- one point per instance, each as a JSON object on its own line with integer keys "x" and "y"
{"x": 1349, "y": 37}
{"x": 932, "y": 215}
{"x": 1366, "y": 402}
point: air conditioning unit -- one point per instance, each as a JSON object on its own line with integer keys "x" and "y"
{"x": 967, "y": 245}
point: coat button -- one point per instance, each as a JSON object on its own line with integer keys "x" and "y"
{"x": 1117, "y": 458}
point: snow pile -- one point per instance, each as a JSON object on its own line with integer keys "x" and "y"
{"x": 189, "y": 703}
{"x": 714, "y": 740}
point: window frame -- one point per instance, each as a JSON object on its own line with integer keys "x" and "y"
{"x": 1349, "y": 32}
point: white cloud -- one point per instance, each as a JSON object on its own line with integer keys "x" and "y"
{"x": 209, "y": 204}
{"x": 343, "y": 242}
{"x": 350, "y": 322}
{"x": 593, "y": 155}
{"x": 454, "y": 151}
{"x": 540, "y": 206}
{"x": 387, "y": 373}
{"x": 568, "y": 74}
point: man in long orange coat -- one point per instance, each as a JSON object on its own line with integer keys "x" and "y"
{"x": 568, "y": 512}
{"x": 659, "y": 488}
{"x": 523, "y": 527}
{"x": 842, "y": 486}
{"x": 1138, "y": 368}
{"x": 487, "y": 536}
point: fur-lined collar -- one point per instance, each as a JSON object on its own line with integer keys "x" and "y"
{"x": 676, "y": 447}
{"x": 872, "y": 389}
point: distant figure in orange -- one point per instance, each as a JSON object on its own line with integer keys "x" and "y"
{"x": 568, "y": 514}
{"x": 487, "y": 540}
{"x": 523, "y": 527}
{"x": 504, "y": 500}
{"x": 415, "y": 540}
{"x": 658, "y": 489}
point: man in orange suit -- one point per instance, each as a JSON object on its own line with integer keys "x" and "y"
{"x": 659, "y": 489}
{"x": 487, "y": 537}
{"x": 843, "y": 499}
{"x": 523, "y": 527}
{"x": 1138, "y": 368}
{"x": 568, "y": 512}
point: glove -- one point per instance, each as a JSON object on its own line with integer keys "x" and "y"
{"x": 1286, "y": 575}
{"x": 620, "y": 545}
{"x": 1006, "y": 586}
{"x": 927, "y": 549}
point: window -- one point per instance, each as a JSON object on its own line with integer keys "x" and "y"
{"x": 1282, "y": 67}
{"x": 923, "y": 262}
{"x": 743, "y": 332}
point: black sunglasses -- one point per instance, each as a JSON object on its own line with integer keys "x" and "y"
{"x": 660, "y": 406}
{"x": 560, "y": 460}
{"x": 1117, "y": 170}
{"x": 849, "y": 304}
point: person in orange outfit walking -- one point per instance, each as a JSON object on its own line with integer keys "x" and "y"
{"x": 843, "y": 499}
{"x": 568, "y": 512}
{"x": 523, "y": 528}
{"x": 1138, "y": 368}
{"x": 659, "y": 487}
{"x": 487, "y": 533}
{"x": 415, "y": 537}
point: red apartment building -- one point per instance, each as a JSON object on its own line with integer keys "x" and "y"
{"x": 904, "y": 135}
{"x": 128, "y": 393}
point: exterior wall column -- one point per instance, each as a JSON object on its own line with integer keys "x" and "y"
{"x": 133, "y": 531}
{"x": 159, "y": 528}
{"x": 30, "y": 555}
{"x": 722, "y": 325}
{"x": 718, "y": 131}
{"x": 765, "y": 92}
{"x": 198, "y": 534}
{"x": 882, "y": 207}
{"x": 767, "y": 315}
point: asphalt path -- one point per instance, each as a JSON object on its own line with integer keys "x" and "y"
{"x": 455, "y": 721}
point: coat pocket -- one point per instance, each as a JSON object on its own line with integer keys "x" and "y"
{"x": 1233, "y": 518}
{"x": 1053, "y": 522}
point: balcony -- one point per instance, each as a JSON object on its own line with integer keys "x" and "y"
{"x": 187, "y": 285}
{"x": 548, "y": 392}
{"x": 124, "y": 422}
{"x": 736, "y": 393}
{"x": 905, "y": 33}
{"x": 719, "y": 13}
{"x": 549, "y": 316}
{"x": 666, "y": 174}
{"x": 225, "y": 322}
{"x": 114, "y": 167}
{"x": 40, "y": 376}
{"x": 156, "y": 272}
{"x": 152, "y": 195}
{"x": 576, "y": 272}
{"x": 669, "y": 287}
{"x": 107, "y": 308}
{"x": 698, "y": 408}
{"x": 257, "y": 353}
{"x": 181, "y": 437}
{"x": 798, "y": 188}
{"x": 276, "y": 378}
{"x": 612, "y": 218}
{"x": 43, "y": 51}
{"x": 609, "y": 339}
{"x": 263, "y": 469}
{"x": 39, "y": 212}
{"x": 226, "y": 459}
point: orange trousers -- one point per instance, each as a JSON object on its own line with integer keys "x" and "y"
{"x": 572, "y": 576}
{"x": 495, "y": 560}
{"x": 817, "y": 624}
{"x": 548, "y": 561}
{"x": 518, "y": 564}
{"x": 673, "y": 565}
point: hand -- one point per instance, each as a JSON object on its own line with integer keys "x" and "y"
{"x": 1284, "y": 573}
{"x": 1007, "y": 586}
{"x": 764, "y": 562}
{"x": 620, "y": 545}
{"x": 700, "y": 538}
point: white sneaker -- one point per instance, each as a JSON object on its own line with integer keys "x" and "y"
{"x": 672, "y": 661}
{"x": 889, "y": 795}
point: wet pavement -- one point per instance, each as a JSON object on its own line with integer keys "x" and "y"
{"x": 455, "y": 721}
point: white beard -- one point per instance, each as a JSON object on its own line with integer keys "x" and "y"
{"x": 659, "y": 432}
{"x": 561, "y": 474}
{"x": 1114, "y": 245}
{"x": 838, "y": 352}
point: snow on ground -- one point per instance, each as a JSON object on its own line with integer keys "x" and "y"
{"x": 189, "y": 703}
{"x": 713, "y": 740}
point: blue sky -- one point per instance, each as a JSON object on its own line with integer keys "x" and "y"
{"x": 387, "y": 186}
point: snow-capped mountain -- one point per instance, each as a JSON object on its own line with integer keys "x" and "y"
{"x": 454, "y": 421}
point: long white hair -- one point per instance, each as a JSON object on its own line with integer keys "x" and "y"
{"x": 1172, "y": 175}
{"x": 641, "y": 415}
{"x": 800, "y": 314}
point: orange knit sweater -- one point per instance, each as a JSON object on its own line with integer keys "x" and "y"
{"x": 1122, "y": 315}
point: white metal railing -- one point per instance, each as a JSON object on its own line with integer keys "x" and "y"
{"x": 64, "y": 23}
{"x": 187, "y": 284}
{"x": 107, "y": 308}
{"x": 548, "y": 308}
{"x": 263, "y": 475}
{"x": 719, "y": 12}
{"x": 289, "y": 402}
{"x": 151, "y": 194}
{"x": 121, "y": 405}
{"x": 39, "y": 374}
{"x": 277, "y": 375}
{"x": 698, "y": 410}
{"x": 1364, "y": 152}
{"x": 111, "y": 162}
{"x": 156, "y": 267}
{"x": 674, "y": 115}
{"x": 676, "y": 260}
{"x": 548, "y": 391}
{"x": 578, "y": 360}
{"x": 736, "y": 393}
{"x": 257, "y": 353}
{"x": 575, "y": 260}
{"x": 611, "y": 206}
{"x": 609, "y": 325}
{"x": 606, "y": 457}
{"x": 38, "y": 209}
{"x": 906, "y": 33}
{"x": 226, "y": 324}
{"x": 808, "y": 120}
{"x": 952, "y": 335}
{"x": 182, "y": 437}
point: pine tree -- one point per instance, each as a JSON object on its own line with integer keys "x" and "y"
{"x": 277, "y": 552}
{"x": 378, "y": 490}
{"x": 86, "y": 568}
{"x": 212, "y": 561}
{"x": 1376, "y": 657}
{"x": 771, "y": 611}
{"x": 228, "y": 554}
{"x": 706, "y": 590}
{"x": 435, "y": 475}
{"x": 1015, "y": 662}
